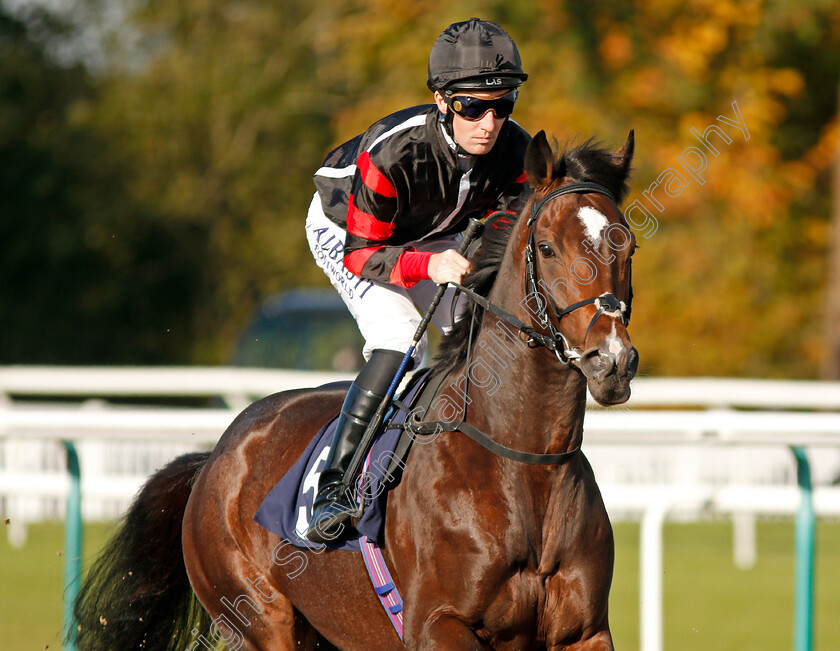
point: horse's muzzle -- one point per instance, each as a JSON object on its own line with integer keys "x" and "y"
{"x": 609, "y": 374}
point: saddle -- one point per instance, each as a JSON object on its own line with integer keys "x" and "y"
{"x": 287, "y": 508}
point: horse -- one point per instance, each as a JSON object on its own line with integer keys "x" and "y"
{"x": 489, "y": 549}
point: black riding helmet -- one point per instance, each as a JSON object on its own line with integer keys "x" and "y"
{"x": 474, "y": 55}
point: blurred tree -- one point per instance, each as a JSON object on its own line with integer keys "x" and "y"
{"x": 186, "y": 162}
{"x": 222, "y": 128}
{"x": 832, "y": 365}
{"x": 733, "y": 282}
{"x": 79, "y": 265}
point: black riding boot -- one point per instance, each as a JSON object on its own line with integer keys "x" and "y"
{"x": 333, "y": 504}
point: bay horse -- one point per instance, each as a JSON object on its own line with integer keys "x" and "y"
{"x": 487, "y": 551}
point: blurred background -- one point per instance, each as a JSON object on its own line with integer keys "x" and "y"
{"x": 157, "y": 160}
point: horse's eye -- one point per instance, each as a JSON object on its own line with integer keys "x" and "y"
{"x": 546, "y": 251}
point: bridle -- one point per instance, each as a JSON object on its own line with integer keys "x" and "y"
{"x": 551, "y": 337}
{"x": 606, "y": 303}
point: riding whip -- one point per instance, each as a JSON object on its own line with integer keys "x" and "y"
{"x": 373, "y": 427}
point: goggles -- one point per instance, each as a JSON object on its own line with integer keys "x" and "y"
{"x": 473, "y": 108}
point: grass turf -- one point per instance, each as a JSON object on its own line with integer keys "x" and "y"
{"x": 32, "y": 585}
{"x": 709, "y": 603}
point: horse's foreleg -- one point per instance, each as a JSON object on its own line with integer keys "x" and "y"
{"x": 280, "y": 628}
{"x": 446, "y": 632}
{"x": 599, "y": 642}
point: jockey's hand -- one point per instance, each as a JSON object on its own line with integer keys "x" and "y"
{"x": 448, "y": 267}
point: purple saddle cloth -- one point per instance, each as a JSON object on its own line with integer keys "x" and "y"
{"x": 287, "y": 509}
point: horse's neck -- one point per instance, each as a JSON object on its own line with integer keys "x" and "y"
{"x": 525, "y": 397}
{"x": 525, "y": 394}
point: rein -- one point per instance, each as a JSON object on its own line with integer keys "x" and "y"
{"x": 554, "y": 340}
{"x": 417, "y": 427}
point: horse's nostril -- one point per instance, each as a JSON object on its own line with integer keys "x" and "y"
{"x": 599, "y": 364}
{"x": 632, "y": 361}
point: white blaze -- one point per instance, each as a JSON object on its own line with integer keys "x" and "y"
{"x": 593, "y": 221}
{"x": 614, "y": 342}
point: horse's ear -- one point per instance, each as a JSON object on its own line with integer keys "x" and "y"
{"x": 539, "y": 161}
{"x": 626, "y": 151}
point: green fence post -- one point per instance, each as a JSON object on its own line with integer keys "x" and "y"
{"x": 72, "y": 545}
{"x": 805, "y": 535}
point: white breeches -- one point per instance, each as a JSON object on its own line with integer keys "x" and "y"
{"x": 387, "y": 315}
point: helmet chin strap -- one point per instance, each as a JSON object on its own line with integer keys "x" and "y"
{"x": 445, "y": 120}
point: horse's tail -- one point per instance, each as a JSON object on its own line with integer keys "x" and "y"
{"x": 137, "y": 594}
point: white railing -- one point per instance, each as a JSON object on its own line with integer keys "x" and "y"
{"x": 705, "y": 444}
{"x": 726, "y": 450}
{"x": 238, "y": 387}
{"x": 243, "y": 385}
{"x": 118, "y": 446}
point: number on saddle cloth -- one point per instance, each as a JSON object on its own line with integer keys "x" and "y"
{"x": 287, "y": 509}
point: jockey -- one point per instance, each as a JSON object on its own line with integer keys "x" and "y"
{"x": 388, "y": 213}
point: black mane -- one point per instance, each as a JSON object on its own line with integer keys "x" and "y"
{"x": 587, "y": 162}
{"x": 592, "y": 163}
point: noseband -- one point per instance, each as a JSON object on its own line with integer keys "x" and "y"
{"x": 605, "y": 303}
